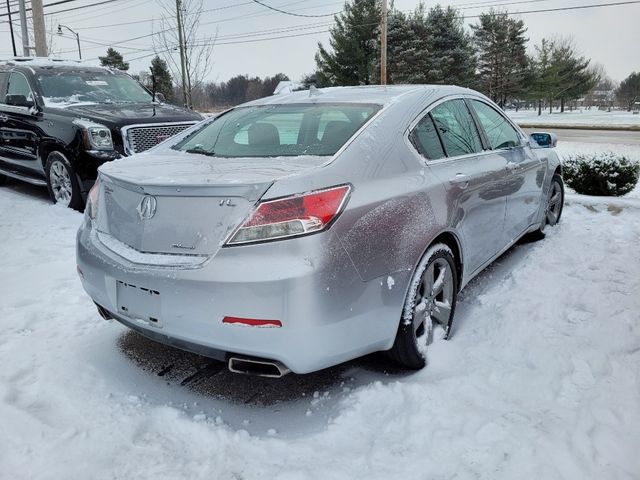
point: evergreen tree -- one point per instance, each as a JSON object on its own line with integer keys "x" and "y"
{"x": 351, "y": 59}
{"x": 450, "y": 56}
{"x": 406, "y": 47}
{"x": 114, "y": 59}
{"x": 628, "y": 93}
{"x": 160, "y": 71}
{"x": 502, "y": 60}
{"x": 560, "y": 74}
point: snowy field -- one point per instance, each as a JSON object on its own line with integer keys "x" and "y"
{"x": 577, "y": 118}
{"x": 541, "y": 378}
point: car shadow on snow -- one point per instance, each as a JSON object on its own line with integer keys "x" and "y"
{"x": 212, "y": 379}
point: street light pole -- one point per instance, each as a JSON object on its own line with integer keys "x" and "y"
{"x": 77, "y": 38}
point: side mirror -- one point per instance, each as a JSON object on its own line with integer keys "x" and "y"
{"x": 543, "y": 140}
{"x": 18, "y": 101}
{"x": 159, "y": 97}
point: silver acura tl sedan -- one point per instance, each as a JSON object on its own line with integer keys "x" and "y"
{"x": 300, "y": 231}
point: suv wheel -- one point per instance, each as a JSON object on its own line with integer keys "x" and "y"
{"x": 62, "y": 181}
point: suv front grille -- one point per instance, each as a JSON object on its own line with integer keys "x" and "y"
{"x": 139, "y": 138}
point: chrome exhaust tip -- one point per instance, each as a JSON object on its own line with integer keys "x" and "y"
{"x": 260, "y": 368}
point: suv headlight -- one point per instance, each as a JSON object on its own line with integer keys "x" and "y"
{"x": 95, "y": 135}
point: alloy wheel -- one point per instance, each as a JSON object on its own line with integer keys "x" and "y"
{"x": 434, "y": 297}
{"x": 554, "y": 203}
{"x": 60, "y": 183}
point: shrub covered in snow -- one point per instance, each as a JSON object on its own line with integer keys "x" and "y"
{"x": 603, "y": 173}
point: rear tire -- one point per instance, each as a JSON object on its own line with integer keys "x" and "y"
{"x": 431, "y": 298}
{"x": 62, "y": 182}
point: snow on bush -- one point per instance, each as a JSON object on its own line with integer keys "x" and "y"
{"x": 602, "y": 173}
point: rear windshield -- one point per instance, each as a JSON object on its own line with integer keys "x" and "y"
{"x": 279, "y": 130}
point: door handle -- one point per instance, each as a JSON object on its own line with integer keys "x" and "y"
{"x": 461, "y": 180}
{"x": 513, "y": 166}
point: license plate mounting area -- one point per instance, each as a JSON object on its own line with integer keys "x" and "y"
{"x": 138, "y": 302}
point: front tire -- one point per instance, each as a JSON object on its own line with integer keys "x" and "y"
{"x": 62, "y": 181}
{"x": 552, "y": 209}
{"x": 431, "y": 298}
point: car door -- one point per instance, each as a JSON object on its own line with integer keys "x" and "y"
{"x": 523, "y": 184}
{"x": 473, "y": 179}
{"x": 19, "y": 127}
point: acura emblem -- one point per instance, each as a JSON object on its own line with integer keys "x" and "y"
{"x": 147, "y": 207}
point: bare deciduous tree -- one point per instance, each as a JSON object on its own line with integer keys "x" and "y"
{"x": 198, "y": 50}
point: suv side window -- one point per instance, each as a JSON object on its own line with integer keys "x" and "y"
{"x": 426, "y": 140}
{"x": 457, "y": 128}
{"x": 500, "y": 132}
{"x": 3, "y": 85}
{"x": 18, "y": 85}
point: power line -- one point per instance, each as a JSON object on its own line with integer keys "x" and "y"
{"x": 293, "y": 14}
{"x": 81, "y": 7}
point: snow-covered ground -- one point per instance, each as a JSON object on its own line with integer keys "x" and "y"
{"x": 580, "y": 117}
{"x": 541, "y": 378}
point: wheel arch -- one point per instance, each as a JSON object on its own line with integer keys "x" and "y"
{"x": 451, "y": 240}
{"x": 45, "y": 149}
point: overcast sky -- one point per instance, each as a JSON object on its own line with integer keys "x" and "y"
{"x": 610, "y": 35}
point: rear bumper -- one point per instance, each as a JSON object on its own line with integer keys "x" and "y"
{"x": 328, "y": 314}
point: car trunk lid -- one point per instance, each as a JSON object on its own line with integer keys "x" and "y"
{"x": 186, "y": 205}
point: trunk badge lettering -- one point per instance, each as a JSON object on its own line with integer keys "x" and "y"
{"x": 184, "y": 247}
{"x": 226, "y": 202}
{"x": 147, "y": 207}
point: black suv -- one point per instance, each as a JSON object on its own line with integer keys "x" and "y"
{"x": 61, "y": 120}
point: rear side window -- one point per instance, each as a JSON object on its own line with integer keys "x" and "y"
{"x": 279, "y": 130}
{"x": 457, "y": 128}
{"x": 425, "y": 138}
{"x": 500, "y": 132}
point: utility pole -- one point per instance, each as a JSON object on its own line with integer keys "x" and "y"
{"x": 383, "y": 44}
{"x": 23, "y": 28}
{"x": 13, "y": 39}
{"x": 39, "y": 31}
{"x": 183, "y": 63}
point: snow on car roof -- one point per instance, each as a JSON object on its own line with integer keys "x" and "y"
{"x": 48, "y": 62}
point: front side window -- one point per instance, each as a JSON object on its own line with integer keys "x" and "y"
{"x": 68, "y": 87}
{"x": 457, "y": 128}
{"x": 279, "y": 130}
{"x": 500, "y": 132}
{"x": 18, "y": 85}
{"x": 425, "y": 138}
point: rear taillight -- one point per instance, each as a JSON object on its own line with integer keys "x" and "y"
{"x": 92, "y": 199}
{"x": 292, "y": 216}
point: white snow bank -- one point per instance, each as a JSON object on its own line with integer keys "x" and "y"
{"x": 540, "y": 378}
{"x": 590, "y": 118}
